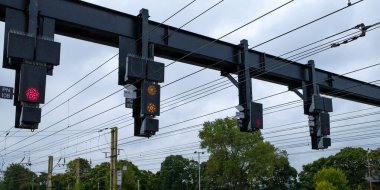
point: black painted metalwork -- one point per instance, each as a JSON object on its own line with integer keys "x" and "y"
{"x": 36, "y": 21}
{"x": 105, "y": 26}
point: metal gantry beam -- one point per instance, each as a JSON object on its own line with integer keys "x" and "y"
{"x": 31, "y": 25}
{"x": 105, "y": 26}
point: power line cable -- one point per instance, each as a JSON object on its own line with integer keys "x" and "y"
{"x": 107, "y": 61}
{"x": 306, "y": 24}
{"x": 354, "y": 124}
{"x": 201, "y": 47}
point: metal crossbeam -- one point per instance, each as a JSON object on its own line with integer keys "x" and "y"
{"x": 105, "y": 26}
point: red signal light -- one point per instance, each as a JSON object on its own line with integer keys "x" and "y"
{"x": 258, "y": 123}
{"x": 326, "y": 131}
{"x": 32, "y": 94}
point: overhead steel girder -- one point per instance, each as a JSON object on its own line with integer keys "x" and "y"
{"x": 101, "y": 25}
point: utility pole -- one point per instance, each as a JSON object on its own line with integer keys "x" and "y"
{"x": 113, "y": 173}
{"x": 32, "y": 182}
{"x": 50, "y": 173}
{"x": 199, "y": 168}
{"x": 369, "y": 171}
{"x": 78, "y": 170}
{"x": 138, "y": 184}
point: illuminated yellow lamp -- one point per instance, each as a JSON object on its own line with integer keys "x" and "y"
{"x": 151, "y": 108}
{"x": 152, "y": 90}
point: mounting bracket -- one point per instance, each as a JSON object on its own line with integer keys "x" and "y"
{"x": 317, "y": 108}
{"x": 250, "y": 114}
{"x": 137, "y": 68}
{"x": 29, "y": 47}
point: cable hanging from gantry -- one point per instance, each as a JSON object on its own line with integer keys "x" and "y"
{"x": 362, "y": 27}
{"x": 349, "y": 3}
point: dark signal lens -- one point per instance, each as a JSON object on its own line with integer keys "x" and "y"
{"x": 258, "y": 123}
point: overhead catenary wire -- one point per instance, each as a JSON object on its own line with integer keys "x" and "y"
{"x": 103, "y": 78}
{"x": 355, "y": 135}
{"x": 136, "y": 41}
{"x": 189, "y": 119}
{"x": 156, "y": 136}
{"x": 306, "y": 24}
{"x": 285, "y": 54}
{"x": 112, "y": 57}
{"x": 353, "y": 124}
{"x": 334, "y": 149}
{"x": 107, "y": 61}
{"x": 76, "y": 94}
{"x": 333, "y": 132}
{"x": 333, "y": 115}
{"x": 216, "y": 39}
{"x": 347, "y": 139}
{"x": 191, "y": 20}
{"x": 332, "y": 121}
{"x": 218, "y": 62}
{"x": 167, "y": 126}
{"x": 161, "y": 127}
{"x": 194, "y": 51}
{"x": 331, "y": 149}
{"x": 316, "y": 151}
{"x": 275, "y": 69}
{"x": 301, "y": 48}
{"x": 42, "y": 162}
{"x": 135, "y": 140}
{"x": 292, "y": 154}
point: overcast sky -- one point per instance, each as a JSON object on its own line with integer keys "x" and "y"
{"x": 80, "y": 57}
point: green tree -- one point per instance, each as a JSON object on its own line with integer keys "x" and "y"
{"x": 17, "y": 176}
{"x": 306, "y": 176}
{"x": 42, "y": 180}
{"x": 284, "y": 177}
{"x": 178, "y": 173}
{"x": 129, "y": 176}
{"x": 352, "y": 161}
{"x": 335, "y": 177}
{"x": 2, "y": 184}
{"x": 324, "y": 185}
{"x": 148, "y": 180}
{"x": 374, "y": 161}
{"x": 99, "y": 175}
{"x": 60, "y": 181}
{"x": 242, "y": 160}
{"x": 74, "y": 176}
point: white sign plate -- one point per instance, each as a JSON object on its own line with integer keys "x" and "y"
{"x": 130, "y": 94}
